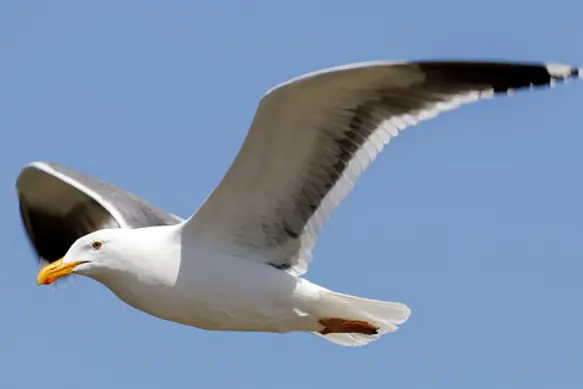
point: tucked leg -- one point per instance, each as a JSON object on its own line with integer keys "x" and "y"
{"x": 336, "y": 325}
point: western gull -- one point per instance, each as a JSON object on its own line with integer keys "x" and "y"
{"x": 237, "y": 263}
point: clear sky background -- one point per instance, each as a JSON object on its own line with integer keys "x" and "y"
{"x": 474, "y": 219}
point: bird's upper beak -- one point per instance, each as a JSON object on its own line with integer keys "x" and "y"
{"x": 55, "y": 270}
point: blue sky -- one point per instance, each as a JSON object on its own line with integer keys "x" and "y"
{"x": 473, "y": 219}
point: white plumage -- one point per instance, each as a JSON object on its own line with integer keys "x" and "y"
{"x": 236, "y": 263}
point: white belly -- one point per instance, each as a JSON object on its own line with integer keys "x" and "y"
{"x": 225, "y": 294}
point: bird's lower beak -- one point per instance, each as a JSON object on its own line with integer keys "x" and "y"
{"x": 55, "y": 270}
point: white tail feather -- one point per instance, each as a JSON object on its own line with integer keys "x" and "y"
{"x": 384, "y": 314}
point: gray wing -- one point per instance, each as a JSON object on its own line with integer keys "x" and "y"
{"x": 59, "y": 205}
{"x": 312, "y": 138}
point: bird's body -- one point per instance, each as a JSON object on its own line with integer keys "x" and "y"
{"x": 237, "y": 262}
{"x": 203, "y": 288}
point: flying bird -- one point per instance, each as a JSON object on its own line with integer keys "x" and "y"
{"x": 237, "y": 263}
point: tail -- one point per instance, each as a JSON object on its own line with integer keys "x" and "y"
{"x": 383, "y": 314}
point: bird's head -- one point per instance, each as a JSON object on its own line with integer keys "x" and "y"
{"x": 90, "y": 255}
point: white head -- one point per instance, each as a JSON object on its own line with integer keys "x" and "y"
{"x": 93, "y": 255}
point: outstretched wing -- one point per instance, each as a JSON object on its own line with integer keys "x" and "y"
{"x": 313, "y": 136}
{"x": 59, "y": 205}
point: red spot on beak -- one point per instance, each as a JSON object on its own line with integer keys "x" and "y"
{"x": 47, "y": 281}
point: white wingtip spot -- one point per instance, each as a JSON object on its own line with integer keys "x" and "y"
{"x": 561, "y": 71}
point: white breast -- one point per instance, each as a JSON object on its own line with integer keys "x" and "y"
{"x": 209, "y": 291}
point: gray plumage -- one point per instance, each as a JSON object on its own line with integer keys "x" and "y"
{"x": 311, "y": 139}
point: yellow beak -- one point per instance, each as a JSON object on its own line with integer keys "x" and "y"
{"x": 53, "y": 271}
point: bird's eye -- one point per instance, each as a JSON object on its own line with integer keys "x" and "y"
{"x": 97, "y": 244}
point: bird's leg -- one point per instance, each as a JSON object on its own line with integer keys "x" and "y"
{"x": 342, "y": 326}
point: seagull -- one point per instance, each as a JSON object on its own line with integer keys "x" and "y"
{"x": 237, "y": 263}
